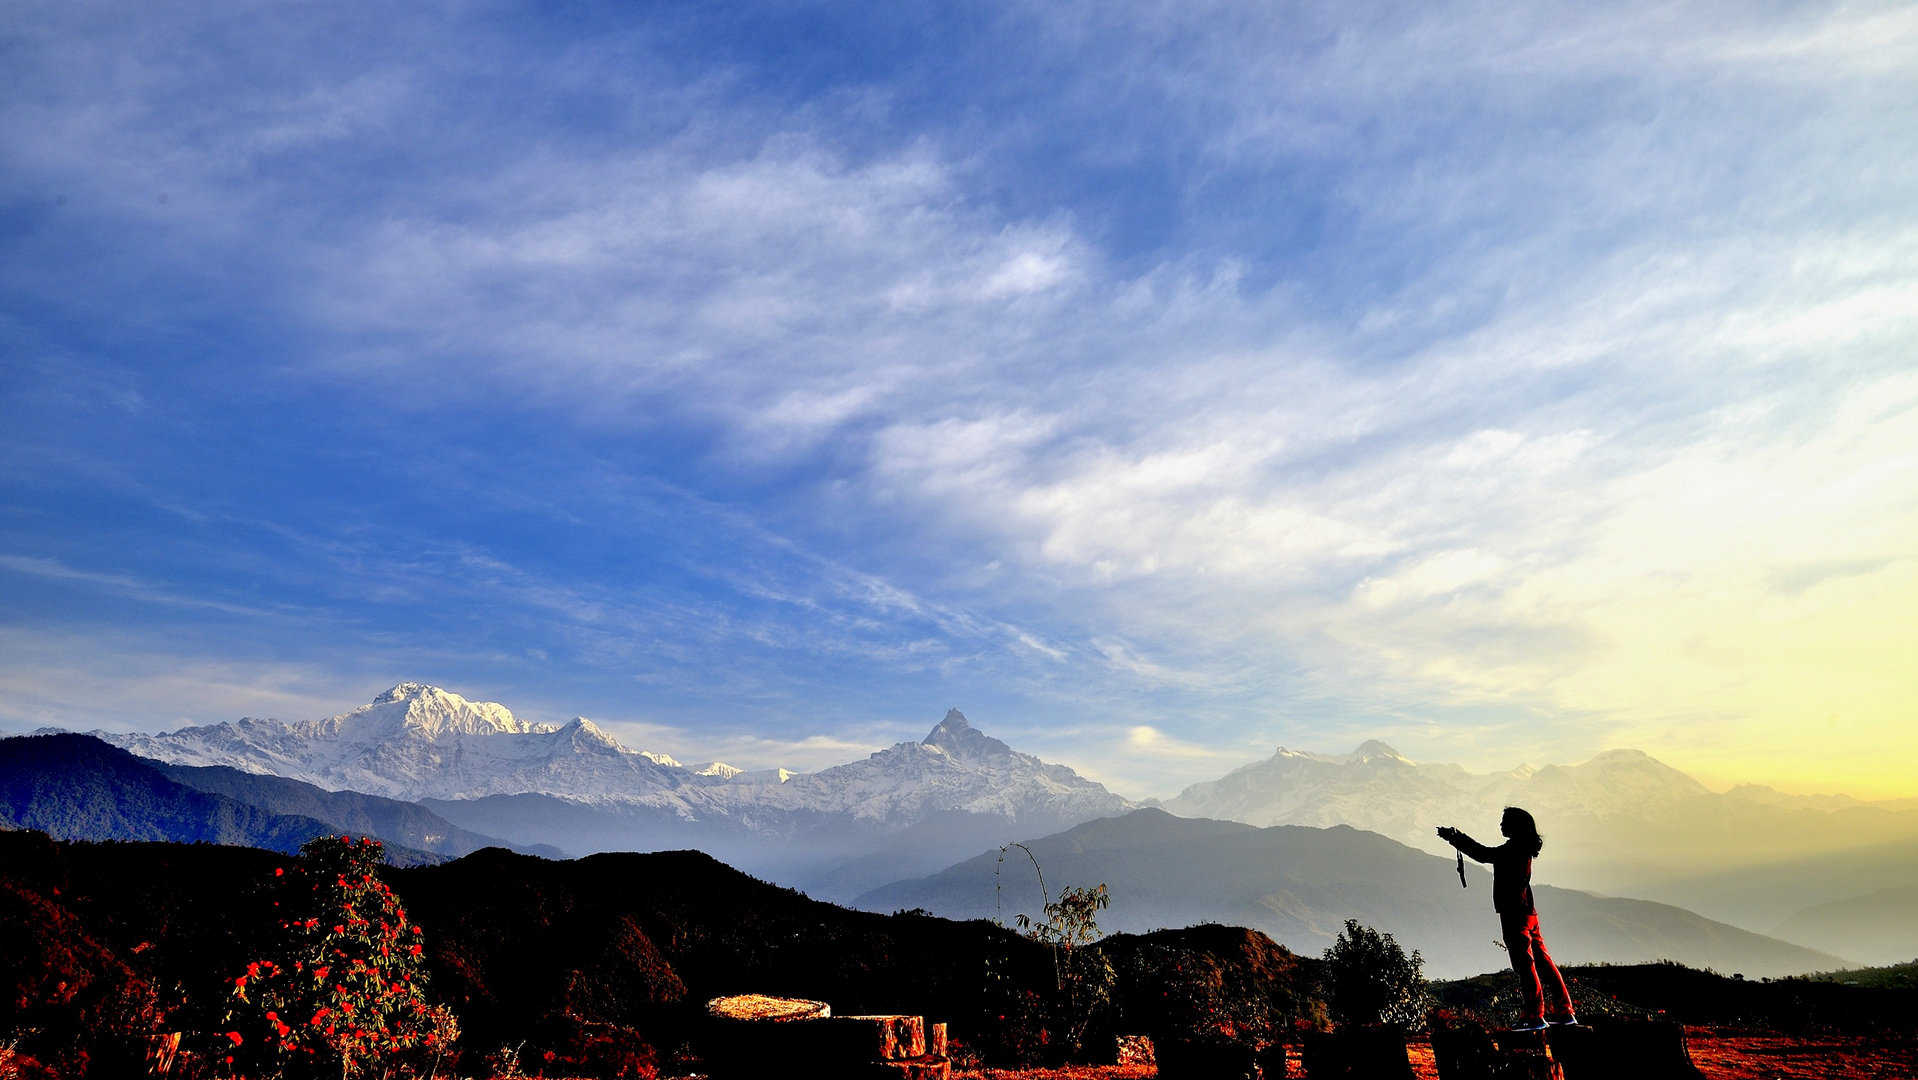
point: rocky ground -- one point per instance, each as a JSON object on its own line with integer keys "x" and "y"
{"x": 1720, "y": 1055}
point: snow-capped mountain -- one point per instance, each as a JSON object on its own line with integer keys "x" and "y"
{"x": 418, "y": 742}
{"x": 1377, "y": 788}
{"x": 955, "y": 769}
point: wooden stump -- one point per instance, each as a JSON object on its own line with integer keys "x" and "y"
{"x": 1135, "y": 1050}
{"x": 1364, "y": 1053}
{"x": 1191, "y": 1059}
{"x": 859, "y": 1038}
{"x": 1581, "y": 1050}
{"x": 1638, "y": 1050}
{"x": 755, "y": 1036}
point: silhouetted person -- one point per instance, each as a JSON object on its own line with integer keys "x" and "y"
{"x": 1512, "y": 896}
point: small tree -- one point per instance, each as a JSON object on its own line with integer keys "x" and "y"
{"x": 342, "y": 991}
{"x": 1368, "y": 979}
{"x": 1083, "y": 978}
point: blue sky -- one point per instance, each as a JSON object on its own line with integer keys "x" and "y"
{"x": 1158, "y": 383}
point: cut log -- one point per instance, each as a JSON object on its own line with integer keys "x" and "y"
{"x": 936, "y": 1040}
{"x": 1375, "y": 1052}
{"x": 760, "y": 1008}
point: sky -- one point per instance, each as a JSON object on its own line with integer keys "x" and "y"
{"x": 1158, "y": 383}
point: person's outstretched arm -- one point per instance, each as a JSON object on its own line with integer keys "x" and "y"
{"x": 1469, "y": 846}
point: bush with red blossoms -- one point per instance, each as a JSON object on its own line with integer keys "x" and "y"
{"x": 343, "y": 991}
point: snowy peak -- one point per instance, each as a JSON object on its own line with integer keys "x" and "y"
{"x": 406, "y": 691}
{"x": 585, "y": 733}
{"x": 1373, "y": 750}
{"x": 426, "y": 711}
{"x": 957, "y": 737}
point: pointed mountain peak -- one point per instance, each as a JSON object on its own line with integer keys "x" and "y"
{"x": 959, "y": 738}
{"x": 406, "y": 690}
{"x": 1374, "y": 750}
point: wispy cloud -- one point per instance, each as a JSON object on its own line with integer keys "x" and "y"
{"x": 1255, "y": 369}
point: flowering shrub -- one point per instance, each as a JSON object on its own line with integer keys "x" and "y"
{"x": 343, "y": 992}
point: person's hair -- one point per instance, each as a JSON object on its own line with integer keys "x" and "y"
{"x": 1524, "y": 828}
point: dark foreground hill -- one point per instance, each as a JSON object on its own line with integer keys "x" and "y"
{"x": 392, "y": 820}
{"x": 77, "y": 787}
{"x": 1298, "y": 885}
{"x": 126, "y": 937}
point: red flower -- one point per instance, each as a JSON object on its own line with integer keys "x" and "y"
{"x": 235, "y": 1036}
{"x": 279, "y": 871}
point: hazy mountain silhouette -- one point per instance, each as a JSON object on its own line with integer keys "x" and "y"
{"x": 392, "y": 820}
{"x": 1298, "y": 884}
{"x": 1621, "y": 822}
{"x": 75, "y": 787}
{"x": 1880, "y": 926}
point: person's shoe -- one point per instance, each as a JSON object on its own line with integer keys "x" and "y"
{"x": 1530, "y": 1025}
{"x": 1568, "y": 1020}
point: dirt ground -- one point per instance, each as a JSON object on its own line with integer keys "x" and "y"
{"x": 1720, "y": 1055}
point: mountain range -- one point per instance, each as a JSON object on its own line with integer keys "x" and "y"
{"x": 74, "y": 787}
{"x": 907, "y": 809}
{"x": 1620, "y": 823}
{"x": 1298, "y": 884}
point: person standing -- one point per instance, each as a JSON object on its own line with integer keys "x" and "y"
{"x": 1518, "y": 917}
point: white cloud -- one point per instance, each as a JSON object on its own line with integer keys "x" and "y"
{"x": 1590, "y": 323}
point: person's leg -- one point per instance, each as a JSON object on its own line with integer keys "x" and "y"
{"x": 1546, "y": 972}
{"x": 1519, "y": 932}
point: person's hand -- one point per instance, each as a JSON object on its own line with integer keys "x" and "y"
{"x": 1446, "y": 833}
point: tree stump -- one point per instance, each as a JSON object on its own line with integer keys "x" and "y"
{"x": 1375, "y": 1052}
{"x": 1134, "y": 1050}
{"x": 1641, "y": 1049}
{"x": 1206, "y": 1059}
{"x": 752, "y": 1035}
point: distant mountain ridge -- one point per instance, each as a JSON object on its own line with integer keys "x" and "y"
{"x": 1298, "y": 884}
{"x": 1622, "y": 823}
{"x": 578, "y": 789}
{"x": 75, "y": 787}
